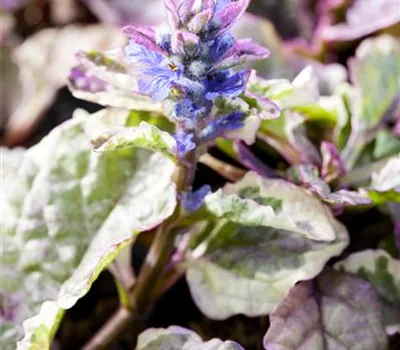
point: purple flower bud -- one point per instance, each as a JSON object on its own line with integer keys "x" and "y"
{"x": 332, "y": 164}
{"x": 172, "y": 13}
{"x": 185, "y": 43}
{"x": 184, "y": 9}
{"x": 192, "y": 201}
{"x": 208, "y": 5}
{"x": 198, "y": 22}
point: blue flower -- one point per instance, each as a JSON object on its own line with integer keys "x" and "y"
{"x": 185, "y": 142}
{"x": 191, "y": 201}
{"x": 188, "y": 112}
{"x": 222, "y": 124}
{"x": 225, "y": 83}
{"x": 219, "y": 47}
{"x": 193, "y": 66}
{"x": 220, "y": 4}
{"x": 141, "y": 54}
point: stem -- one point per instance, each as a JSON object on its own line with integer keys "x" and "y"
{"x": 228, "y": 171}
{"x": 143, "y": 294}
{"x": 115, "y": 326}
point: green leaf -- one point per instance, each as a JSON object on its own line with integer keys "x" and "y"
{"x": 336, "y": 311}
{"x": 247, "y": 265}
{"x": 385, "y": 183}
{"x": 307, "y": 176}
{"x": 383, "y": 272}
{"x": 40, "y": 329}
{"x": 144, "y": 136}
{"x": 375, "y": 71}
{"x": 11, "y": 160}
{"x": 175, "y": 337}
{"x": 287, "y": 134}
{"x": 386, "y": 144}
{"x": 71, "y": 210}
{"x": 136, "y": 117}
{"x": 298, "y": 211}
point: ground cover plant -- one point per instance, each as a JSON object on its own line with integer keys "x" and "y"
{"x": 219, "y": 188}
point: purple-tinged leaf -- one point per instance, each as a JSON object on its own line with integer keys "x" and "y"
{"x": 332, "y": 165}
{"x": 44, "y": 61}
{"x": 143, "y": 36}
{"x": 363, "y": 17}
{"x": 229, "y": 14}
{"x": 383, "y": 272}
{"x": 125, "y": 12}
{"x": 250, "y": 161}
{"x": 335, "y": 311}
{"x": 81, "y": 79}
{"x": 345, "y": 198}
{"x": 308, "y": 177}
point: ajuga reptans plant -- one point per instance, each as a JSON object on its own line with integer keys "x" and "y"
{"x": 179, "y": 95}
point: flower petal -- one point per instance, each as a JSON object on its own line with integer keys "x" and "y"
{"x": 227, "y": 16}
{"x": 191, "y": 201}
{"x": 142, "y": 36}
{"x": 243, "y": 51}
